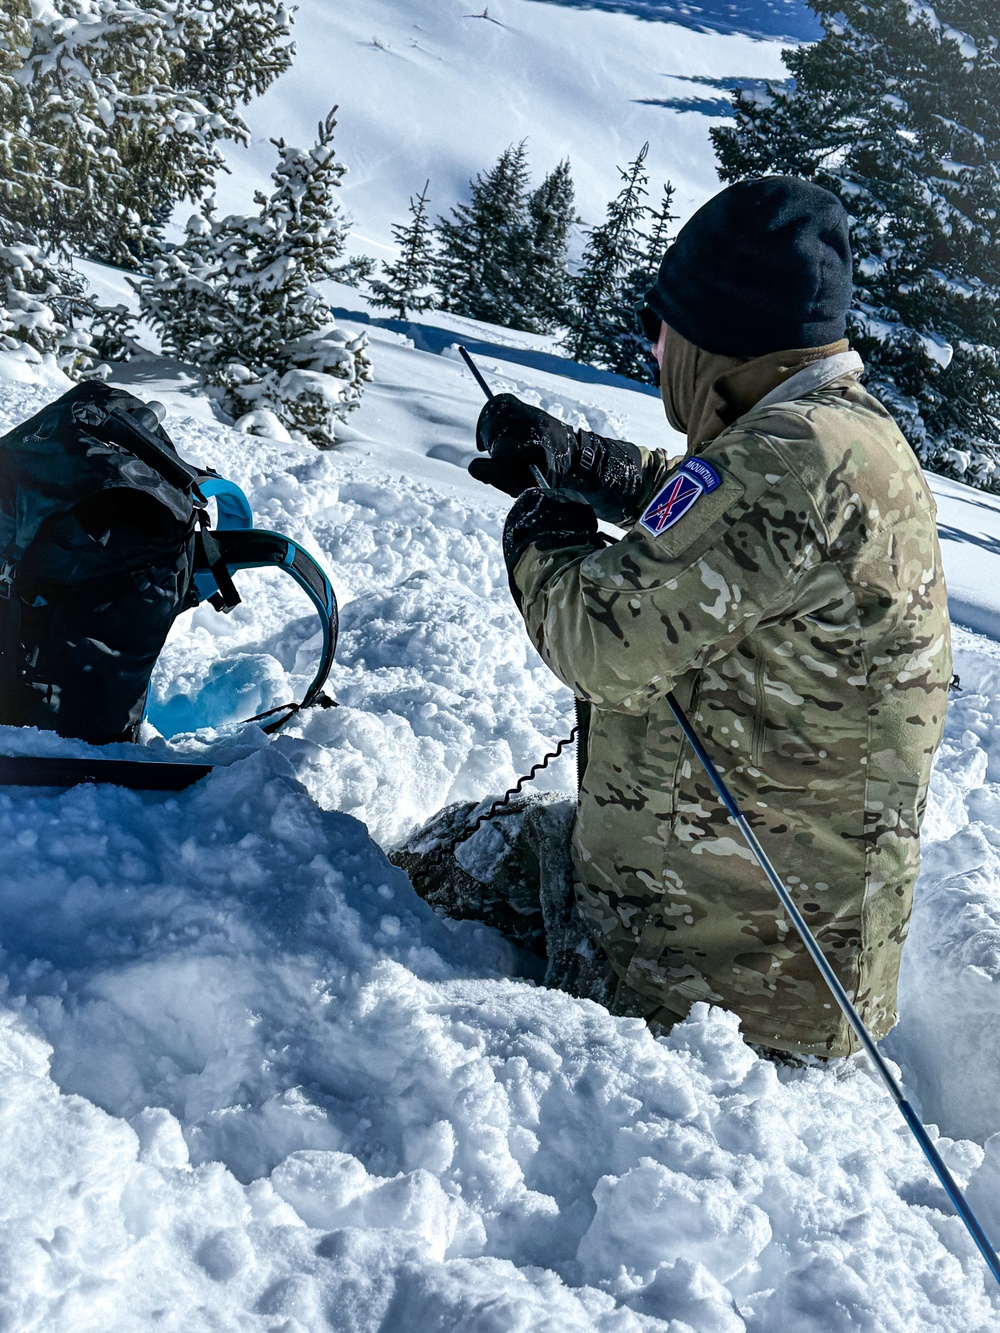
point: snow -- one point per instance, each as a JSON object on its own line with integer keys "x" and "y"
{"x": 252, "y": 1082}
{"x": 937, "y": 349}
{"x": 965, "y": 43}
{"x": 428, "y": 91}
{"x": 969, "y": 528}
{"x": 249, "y": 1080}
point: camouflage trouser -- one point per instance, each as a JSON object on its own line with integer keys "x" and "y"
{"x": 516, "y": 873}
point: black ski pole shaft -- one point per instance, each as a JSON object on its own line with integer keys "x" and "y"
{"x": 951, "y": 1188}
{"x": 475, "y": 371}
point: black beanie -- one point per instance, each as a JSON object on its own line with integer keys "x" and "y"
{"x": 765, "y": 265}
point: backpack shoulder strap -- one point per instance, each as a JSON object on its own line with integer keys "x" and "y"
{"x": 233, "y": 505}
{"x": 248, "y": 548}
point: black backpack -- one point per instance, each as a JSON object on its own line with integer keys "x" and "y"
{"x": 104, "y": 540}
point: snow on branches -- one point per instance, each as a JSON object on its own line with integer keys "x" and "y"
{"x": 897, "y": 111}
{"x": 110, "y": 112}
{"x": 41, "y": 301}
{"x": 238, "y": 298}
{"x": 113, "y": 110}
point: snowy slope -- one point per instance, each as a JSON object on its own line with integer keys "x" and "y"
{"x": 249, "y": 1082}
{"x": 428, "y": 91}
{"x": 252, "y": 1083}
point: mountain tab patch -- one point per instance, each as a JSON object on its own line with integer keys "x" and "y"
{"x": 685, "y": 488}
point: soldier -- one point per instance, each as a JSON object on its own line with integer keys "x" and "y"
{"x": 784, "y": 581}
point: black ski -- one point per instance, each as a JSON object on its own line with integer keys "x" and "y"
{"x": 53, "y": 771}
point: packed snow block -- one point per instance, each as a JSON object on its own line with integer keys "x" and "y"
{"x": 183, "y": 952}
{"x": 333, "y": 1190}
{"x": 683, "y": 1217}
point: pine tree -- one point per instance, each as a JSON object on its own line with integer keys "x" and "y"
{"x": 115, "y": 110}
{"x": 239, "y": 298}
{"x": 604, "y": 327}
{"x": 546, "y": 283}
{"x": 183, "y": 297}
{"x": 112, "y": 333}
{"x": 44, "y": 304}
{"x": 627, "y": 350}
{"x": 897, "y": 111}
{"x": 659, "y": 226}
{"x": 482, "y": 246}
{"x": 408, "y": 279}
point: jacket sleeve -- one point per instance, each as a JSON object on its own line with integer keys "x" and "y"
{"x": 620, "y": 625}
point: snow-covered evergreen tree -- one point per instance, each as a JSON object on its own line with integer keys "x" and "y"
{"x": 546, "y": 282}
{"x": 40, "y": 296}
{"x": 482, "y": 245}
{"x": 897, "y": 110}
{"x": 627, "y": 349}
{"x": 238, "y": 298}
{"x": 619, "y": 263}
{"x": 407, "y": 282}
{"x": 112, "y": 110}
{"x": 44, "y": 304}
{"x": 112, "y": 333}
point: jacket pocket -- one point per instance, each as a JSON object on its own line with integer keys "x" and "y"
{"x": 758, "y": 727}
{"x": 684, "y": 752}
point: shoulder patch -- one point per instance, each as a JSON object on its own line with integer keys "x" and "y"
{"x": 685, "y": 488}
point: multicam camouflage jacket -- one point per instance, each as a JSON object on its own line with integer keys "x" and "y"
{"x": 785, "y": 582}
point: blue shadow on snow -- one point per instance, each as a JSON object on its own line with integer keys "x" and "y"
{"x": 429, "y": 338}
{"x": 971, "y": 615}
{"x": 789, "y": 19}
{"x": 718, "y": 102}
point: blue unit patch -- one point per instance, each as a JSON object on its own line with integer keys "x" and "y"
{"x": 694, "y": 479}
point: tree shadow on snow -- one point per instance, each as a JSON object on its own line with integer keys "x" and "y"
{"x": 430, "y": 338}
{"x": 788, "y": 19}
{"x": 717, "y": 100}
{"x": 950, "y": 534}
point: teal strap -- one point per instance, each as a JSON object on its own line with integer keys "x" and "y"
{"x": 248, "y": 548}
{"x": 233, "y": 505}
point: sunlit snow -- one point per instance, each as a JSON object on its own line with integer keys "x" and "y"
{"x": 250, "y": 1082}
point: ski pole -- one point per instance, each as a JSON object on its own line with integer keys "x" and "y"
{"x": 475, "y": 372}
{"x": 839, "y": 993}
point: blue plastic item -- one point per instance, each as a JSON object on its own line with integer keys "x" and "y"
{"x": 242, "y": 546}
{"x": 233, "y": 506}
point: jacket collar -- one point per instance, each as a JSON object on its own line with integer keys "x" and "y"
{"x": 704, "y": 393}
{"x": 812, "y": 377}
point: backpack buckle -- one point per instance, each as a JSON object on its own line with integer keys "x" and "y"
{"x": 7, "y": 571}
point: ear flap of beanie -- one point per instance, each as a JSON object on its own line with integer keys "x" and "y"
{"x": 763, "y": 266}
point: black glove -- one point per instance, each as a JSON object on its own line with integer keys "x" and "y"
{"x": 518, "y": 436}
{"x": 543, "y": 520}
{"x": 580, "y": 466}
